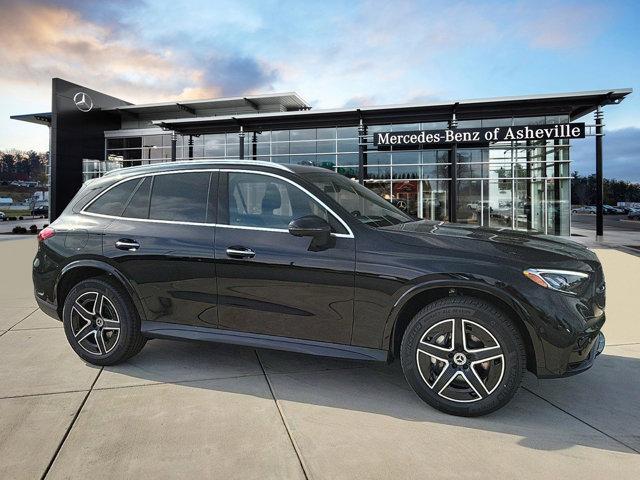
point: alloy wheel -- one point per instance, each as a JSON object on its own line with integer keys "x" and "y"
{"x": 460, "y": 360}
{"x": 95, "y": 324}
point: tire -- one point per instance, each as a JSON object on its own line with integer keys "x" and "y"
{"x": 467, "y": 378}
{"x": 101, "y": 323}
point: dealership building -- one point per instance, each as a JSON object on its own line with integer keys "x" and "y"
{"x": 499, "y": 162}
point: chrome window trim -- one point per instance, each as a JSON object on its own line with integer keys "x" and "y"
{"x": 239, "y": 227}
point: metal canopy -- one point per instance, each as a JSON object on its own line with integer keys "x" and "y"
{"x": 284, "y": 101}
{"x": 38, "y": 118}
{"x": 575, "y": 105}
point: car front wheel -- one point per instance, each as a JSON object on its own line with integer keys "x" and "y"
{"x": 463, "y": 356}
{"x": 101, "y": 322}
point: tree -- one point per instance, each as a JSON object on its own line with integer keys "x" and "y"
{"x": 583, "y": 190}
{"x": 7, "y": 165}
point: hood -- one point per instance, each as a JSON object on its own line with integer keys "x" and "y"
{"x": 498, "y": 242}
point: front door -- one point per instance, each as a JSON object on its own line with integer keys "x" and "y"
{"x": 270, "y": 282}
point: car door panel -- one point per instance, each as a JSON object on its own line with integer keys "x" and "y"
{"x": 285, "y": 288}
{"x": 173, "y": 270}
{"x": 169, "y": 259}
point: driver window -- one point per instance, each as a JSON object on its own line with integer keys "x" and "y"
{"x": 263, "y": 201}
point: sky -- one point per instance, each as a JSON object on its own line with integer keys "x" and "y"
{"x": 332, "y": 53}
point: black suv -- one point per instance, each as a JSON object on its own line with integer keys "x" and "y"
{"x": 302, "y": 259}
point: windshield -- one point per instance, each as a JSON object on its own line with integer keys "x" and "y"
{"x": 361, "y": 202}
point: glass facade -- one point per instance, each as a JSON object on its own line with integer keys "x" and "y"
{"x": 521, "y": 185}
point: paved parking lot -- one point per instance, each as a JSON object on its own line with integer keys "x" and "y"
{"x": 213, "y": 411}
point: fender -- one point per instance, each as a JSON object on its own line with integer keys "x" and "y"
{"x": 480, "y": 285}
{"x": 107, "y": 268}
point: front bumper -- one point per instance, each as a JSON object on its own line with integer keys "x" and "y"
{"x": 578, "y": 367}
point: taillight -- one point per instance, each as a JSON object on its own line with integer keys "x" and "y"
{"x": 46, "y": 233}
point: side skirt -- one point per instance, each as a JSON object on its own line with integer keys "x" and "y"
{"x": 310, "y": 347}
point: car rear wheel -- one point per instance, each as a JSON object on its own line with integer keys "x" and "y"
{"x": 463, "y": 356}
{"x": 101, "y": 322}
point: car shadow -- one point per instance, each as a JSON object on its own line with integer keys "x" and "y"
{"x": 378, "y": 389}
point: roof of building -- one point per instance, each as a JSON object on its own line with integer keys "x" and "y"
{"x": 289, "y": 110}
{"x": 574, "y": 104}
{"x": 281, "y": 101}
{"x": 39, "y": 118}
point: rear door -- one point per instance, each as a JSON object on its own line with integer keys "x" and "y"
{"x": 164, "y": 244}
{"x": 270, "y": 282}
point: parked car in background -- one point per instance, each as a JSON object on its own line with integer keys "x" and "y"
{"x": 40, "y": 210}
{"x": 303, "y": 259}
{"x": 3, "y": 217}
{"x": 614, "y": 210}
{"x": 634, "y": 214}
{"x": 586, "y": 209}
{"x": 608, "y": 210}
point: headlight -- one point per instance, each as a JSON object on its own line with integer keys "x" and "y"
{"x": 561, "y": 280}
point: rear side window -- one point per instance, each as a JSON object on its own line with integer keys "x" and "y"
{"x": 113, "y": 201}
{"x": 180, "y": 197}
{"x": 139, "y": 204}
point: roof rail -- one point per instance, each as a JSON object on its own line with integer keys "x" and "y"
{"x": 226, "y": 161}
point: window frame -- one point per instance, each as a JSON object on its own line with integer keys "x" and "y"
{"x": 223, "y": 204}
{"x": 207, "y": 203}
{"x": 213, "y": 173}
{"x": 124, "y": 204}
{"x": 219, "y": 177}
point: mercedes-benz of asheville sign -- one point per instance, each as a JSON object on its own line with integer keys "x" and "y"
{"x": 479, "y": 135}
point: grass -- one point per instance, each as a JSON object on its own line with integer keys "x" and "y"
{"x": 17, "y": 213}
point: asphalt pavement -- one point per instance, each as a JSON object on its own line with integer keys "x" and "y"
{"x": 610, "y": 222}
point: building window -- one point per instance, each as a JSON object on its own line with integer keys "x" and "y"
{"x": 520, "y": 185}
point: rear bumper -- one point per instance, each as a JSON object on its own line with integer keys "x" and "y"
{"x": 49, "y": 308}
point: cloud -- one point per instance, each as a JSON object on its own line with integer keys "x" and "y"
{"x": 561, "y": 27}
{"x": 41, "y": 41}
{"x": 621, "y": 155}
{"x": 238, "y": 75}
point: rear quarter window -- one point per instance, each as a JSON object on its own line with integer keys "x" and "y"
{"x": 113, "y": 201}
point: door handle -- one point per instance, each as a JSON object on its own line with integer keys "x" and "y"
{"x": 240, "y": 252}
{"x": 126, "y": 244}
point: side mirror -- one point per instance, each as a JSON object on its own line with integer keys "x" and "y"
{"x": 311, "y": 226}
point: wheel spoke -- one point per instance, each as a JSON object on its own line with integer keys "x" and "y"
{"x": 85, "y": 314}
{"x": 83, "y": 330}
{"x": 471, "y": 377}
{"x": 444, "y": 378}
{"x": 100, "y": 342}
{"x": 458, "y": 333}
{"x": 485, "y": 354}
{"x": 112, "y": 324}
{"x": 433, "y": 350}
{"x": 85, "y": 342}
{"x": 100, "y": 305}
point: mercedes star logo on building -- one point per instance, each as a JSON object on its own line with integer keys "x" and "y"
{"x": 83, "y": 101}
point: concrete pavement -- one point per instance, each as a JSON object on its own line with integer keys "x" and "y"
{"x": 215, "y": 411}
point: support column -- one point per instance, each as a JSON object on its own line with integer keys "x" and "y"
{"x": 599, "y": 177}
{"x": 174, "y": 146}
{"x": 241, "y": 147}
{"x": 556, "y": 189}
{"x": 362, "y": 151}
{"x": 528, "y": 207}
{"x": 453, "y": 187}
{"x": 254, "y": 146}
{"x": 190, "y": 147}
